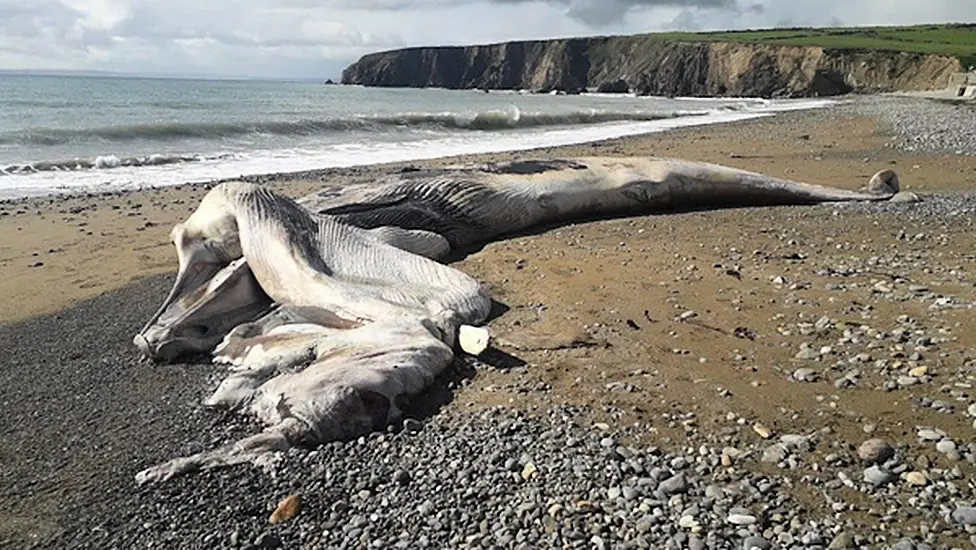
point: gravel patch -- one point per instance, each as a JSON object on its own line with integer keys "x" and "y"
{"x": 86, "y": 415}
{"x": 921, "y": 125}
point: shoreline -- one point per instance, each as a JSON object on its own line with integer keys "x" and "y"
{"x": 502, "y": 141}
{"x": 894, "y": 282}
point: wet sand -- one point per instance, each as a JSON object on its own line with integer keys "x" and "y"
{"x": 596, "y": 311}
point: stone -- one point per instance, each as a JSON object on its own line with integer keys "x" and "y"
{"x": 412, "y": 425}
{"x": 907, "y": 381}
{"x": 875, "y": 451}
{"x": 905, "y": 197}
{"x": 918, "y": 479}
{"x": 674, "y": 485}
{"x": 805, "y": 375}
{"x": 918, "y": 372}
{"x": 401, "y": 477}
{"x": 843, "y": 541}
{"x": 741, "y": 519}
{"x": 287, "y": 509}
{"x": 775, "y": 453}
{"x": 762, "y": 430}
{"x": 529, "y": 471}
{"x": 946, "y": 446}
{"x": 267, "y": 540}
{"x": 964, "y": 515}
{"x": 796, "y": 442}
{"x": 877, "y": 476}
{"x": 756, "y": 543}
{"x": 807, "y": 354}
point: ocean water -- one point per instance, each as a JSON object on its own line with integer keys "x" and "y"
{"x": 86, "y": 134}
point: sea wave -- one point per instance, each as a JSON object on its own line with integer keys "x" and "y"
{"x": 511, "y": 118}
{"x": 102, "y": 162}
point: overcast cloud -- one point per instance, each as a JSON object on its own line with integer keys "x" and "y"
{"x": 316, "y": 38}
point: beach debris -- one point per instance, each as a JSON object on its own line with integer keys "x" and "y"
{"x": 286, "y": 510}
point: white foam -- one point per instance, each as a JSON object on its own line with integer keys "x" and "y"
{"x": 107, "y": 161}
{"x": 225, "y": 166}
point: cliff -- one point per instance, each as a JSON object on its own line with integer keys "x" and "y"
{"x": 654, "y": 66}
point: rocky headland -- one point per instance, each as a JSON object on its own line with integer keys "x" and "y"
{"x": 650, "y": 65}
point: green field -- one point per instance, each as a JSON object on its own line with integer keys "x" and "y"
{"x": 957, "y": 40}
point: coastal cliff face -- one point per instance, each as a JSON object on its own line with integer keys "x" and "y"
{"x": 653, "y": 66}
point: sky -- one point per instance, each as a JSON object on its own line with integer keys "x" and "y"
{"x": 315, "y": 39}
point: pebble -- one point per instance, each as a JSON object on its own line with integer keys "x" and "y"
{"x": 267, "y": 540}
{"x": 843, "y": 541}
{"x": 906, "y": 381}
{"x": 688, "y": 522}
{"x": 775, "y": 453}
{"x": 918, "y": 372}
{"x": 756, "y": 543}
{"x": 412, "y": 425}
{"x": 875, "y": 451}
{"x": 762, "y": 430}
{"x": 741, "y": 519}
{"x": 673, "y": 485}
{"x": 965, "y": 515}
{"x": 805, "y": 375}
{"x": 877, "y": 476}
{"x": 946, "y": 446}
{"x": 916, "y": 478}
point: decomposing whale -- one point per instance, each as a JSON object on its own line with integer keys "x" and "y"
{"x": 330, "y": 311}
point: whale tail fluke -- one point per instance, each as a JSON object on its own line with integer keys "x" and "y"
{"x": 884, "y": 183}
{"x": 885, "y": 186}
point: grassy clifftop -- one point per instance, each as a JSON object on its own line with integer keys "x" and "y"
{"x": 766, "y": 63}
{"x": 958, "y": 40}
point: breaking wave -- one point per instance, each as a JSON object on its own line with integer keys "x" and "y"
{"x": 102, "y": 162}
{"x": 511, "y": 118}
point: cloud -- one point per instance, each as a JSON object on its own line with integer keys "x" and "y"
{"x": 316, "y": 38}
{"x": 602, "y": 13}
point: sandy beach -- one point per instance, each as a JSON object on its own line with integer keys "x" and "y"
{"x": 719, "y": 329}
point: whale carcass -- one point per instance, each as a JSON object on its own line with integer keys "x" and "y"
{"x": 330, "y": 311}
